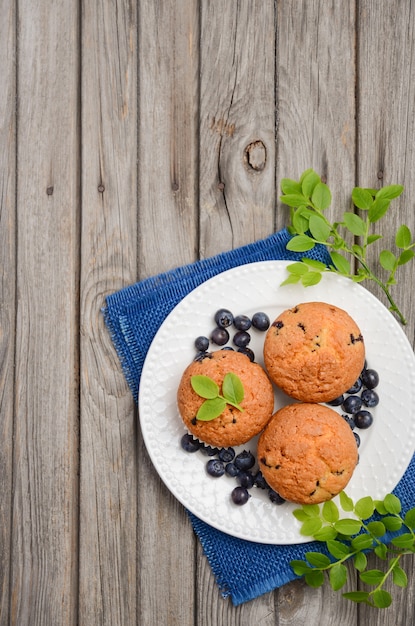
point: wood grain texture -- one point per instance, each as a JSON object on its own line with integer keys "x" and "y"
{"x": 108, "y": 559}
{"x": 7, "y": 288}
{"x": 45, "y": 501}
{"x": 237, "y": 123}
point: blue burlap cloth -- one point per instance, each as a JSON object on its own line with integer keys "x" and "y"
{"x": 243, "y": 570}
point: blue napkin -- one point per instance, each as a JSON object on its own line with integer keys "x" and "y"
{"x": 243, "y": 570}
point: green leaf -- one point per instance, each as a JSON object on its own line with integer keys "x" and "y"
{"x": 300, "y": 221}
{"x": 403, "y": 237}
{"x": 381, "y": 551}
{"x": 330, "y": 511}
{"x": 317, "y": 559}
{"x": 354, "y": 224}
{"x": 297, "y": 268}
{"x": 389, "y": 192}
{"x": 311, "y": 278}
{"x": 300, "y": 243}
{"x": 300, "y": 515}
{"x": 290, "y": 187}
{"x": 321, "y": 197}
{"x": 405, "y": 256}
{"x": 358, "y": 250}
{"x": 338, "y": 576}
{"x": 376, "y": 528}
{"x": 356, "y": 596}
{"x": 399, "y": 576}
{"x": 232, "y": 388}
{"x": 326, "y": 533}
{"x": 293, "y": 199}
{"x": 309, "y": 182}
{"x": 340, "y": 263}
{"x": 348, "y": 526}
{"x": 373, "y": 238}
{"x": 312, "y": 510}
{"x": 311, "y": 526}
{"x": 392, "y": 504}
{"x": 410, "y": 518}
{"x": 211, "y": 409}
{"x": 388, "y": 260}
{"x": 337, "y": 549}
{"x": 360, "y": 561}
{"x": 318, "y": 265}
{"x": 319, "y": 228}
{"x": 378, "y": 209}
{"x": 299, "y": 567}
{"x": 380, "y": 507}
{"x": 314, "y": 578}
{"x": 392, "y": 523}
{"x": 372, "y": 576}
{"x": 364, "y": 507}
{"x": 362, "y": 198}
{"x": 346, "y": 502}
{"x": 204, "y": 386}
{"x": 404, "y": 541}
{"x": 291, "y": 279}
{"x": 382, "y": 599}
{"x": 362, "y": 542}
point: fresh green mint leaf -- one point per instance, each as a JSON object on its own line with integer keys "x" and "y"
{"x": 232, "y": 388}
{"x": 354, "y": 224}
{"x": 204, "y": 386}
{"x": 321, "y": 197}
{"x": 319, "y": 229}
{"x": 390, "y": 192}
{"x": 300, "y": 243}
{"x": 378, "y": 209}
{"x": 403, "y": 237}
{"x": 290, "y": 187}
{"x": 362, "y": 198}
{"x": 338, "y": 576}
{"x": 211, "y": 409}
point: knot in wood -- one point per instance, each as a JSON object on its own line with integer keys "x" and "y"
{"x": 255, "y": 156}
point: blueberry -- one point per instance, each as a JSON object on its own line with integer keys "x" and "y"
{"x": 241, "y": 339}
{"x": 349, "y": 420}
{"x": 200, "y": 356}
{"x": 260, "y": 321}
{"x": 208, "y": 450}
{"x": 246, "y": 479}
{"x": 260, "y": 481}
{"x": 226, "y": 455}
{"x": 240, "y": 495}
{"x": 244, "y": 460}
{"x": 247, "y": 352}
{"x": 357, "y": 437}
{"x": 242, "y": 322}
{"x": 201, "y": 344}
{"x": 336, "y": 401}
{"x": 219, "y": 336}
{"x": 231, "y": 469}
{"x": 223, "y": 318}
{"x": 363, "y": 419}
{"x": 352, "y": 404}
{"x": 370, "y": 397}
{"x": 275, "y": 497}
{"x": 189, "y": 443}
{"x": 370, "y": 378}
{"x": 356, "y": 387}
{"x": 215, "y": 468}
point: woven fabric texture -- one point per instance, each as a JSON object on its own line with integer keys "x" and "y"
{"x": 243, "y": 570}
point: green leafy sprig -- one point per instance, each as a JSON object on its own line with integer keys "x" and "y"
{"x": 350, "y": 538}
{"x": 308, "y": 198}
{"x": 215, "y": 403}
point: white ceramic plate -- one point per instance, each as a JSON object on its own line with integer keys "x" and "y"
{"x": 386, "y": 447}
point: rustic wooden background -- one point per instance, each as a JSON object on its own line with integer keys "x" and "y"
{"x": 136, "y": 137}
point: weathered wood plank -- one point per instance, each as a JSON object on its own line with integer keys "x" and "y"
{"x": 237, "y": 124}
{"x": 108, "y": 466}
{"x": 168, "y": 35}
{"x": 44, "y": 535}
{"x": 316, "y": 73}
{"x": 7, "y": 288}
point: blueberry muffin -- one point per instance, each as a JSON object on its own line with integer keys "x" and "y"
{"x": 314, "y": 352}
{"x": 232, "y": 427}
{"x": 307, "y": 453}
